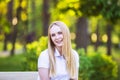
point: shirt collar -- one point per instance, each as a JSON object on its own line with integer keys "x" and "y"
{"x": 57, "y": 52}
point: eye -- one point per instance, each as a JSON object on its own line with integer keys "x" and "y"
{"x": 52, "y": 35}
{"x": 59, "y": 32}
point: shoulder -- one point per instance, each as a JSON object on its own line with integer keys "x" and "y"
{"x": 75, "y": 53}
{"x": 43, "y": 60}
{"x": 44, "y": 53}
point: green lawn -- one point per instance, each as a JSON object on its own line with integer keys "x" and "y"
{"x": 15, "y": 63}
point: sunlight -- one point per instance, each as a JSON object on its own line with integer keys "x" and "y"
{"x": 14, "y": 21}
{"x": 94, "y": 37}
{"x": 23, "y": 16}
{"x": 104, "y": 38}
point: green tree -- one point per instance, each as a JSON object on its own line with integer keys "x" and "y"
{"x": 5, "y": 21}
{"x": 109, "y": 9}
{"x": 46, "y": 16}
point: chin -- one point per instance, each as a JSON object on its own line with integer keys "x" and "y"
{"x": 60, "y": 45}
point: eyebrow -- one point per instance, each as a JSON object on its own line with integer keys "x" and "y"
{"x": 59, "y": 32}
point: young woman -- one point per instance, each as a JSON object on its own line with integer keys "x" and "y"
{"x": 59, "y": 61}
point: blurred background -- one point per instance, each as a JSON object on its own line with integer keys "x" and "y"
{"x": 94, "y": 27}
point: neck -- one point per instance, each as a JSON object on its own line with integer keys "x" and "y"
{"x": 60, "y": 50}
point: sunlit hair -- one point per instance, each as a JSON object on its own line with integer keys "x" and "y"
{"x": 66, "y": 50}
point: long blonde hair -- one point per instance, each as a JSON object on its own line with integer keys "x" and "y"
{"x": 66, "y": 49}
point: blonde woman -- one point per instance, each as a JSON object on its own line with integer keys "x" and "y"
{"x": 59, "y": 61}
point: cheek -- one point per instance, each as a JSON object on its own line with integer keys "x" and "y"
{"x": 62, "y": 36}
{"x": 52, "y": 39}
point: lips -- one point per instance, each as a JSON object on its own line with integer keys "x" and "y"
{"x": 58, "y": 41}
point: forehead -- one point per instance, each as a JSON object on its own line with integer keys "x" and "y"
{"x": 55, "y": 29}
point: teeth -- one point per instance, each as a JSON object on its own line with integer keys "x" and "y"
{"x": 58, "y": 41}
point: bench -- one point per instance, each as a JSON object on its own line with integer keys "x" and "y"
{"x": 18, "y": 75}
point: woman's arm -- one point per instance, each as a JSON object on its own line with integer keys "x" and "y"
{"x": 77, "y": 75}
{"x": 44, "y": 73}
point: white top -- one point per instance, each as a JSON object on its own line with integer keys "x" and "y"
{"x": 61, "y": 72}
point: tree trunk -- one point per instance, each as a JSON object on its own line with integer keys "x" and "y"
{"x": 33, "y": 21}
{"x": 46, "y": 16}
{"x": 9, "y": 18}
{"x": 109, "y": 43}
{"x": 14, "y": 33}
{"x": 32, "y": 17}
{"x": 82, "y": 37}
{"x": 97, "y": 42}
{"x": 5, "y": 42}
{"x": 14, "y": 36}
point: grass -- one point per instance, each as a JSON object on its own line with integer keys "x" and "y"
{"x": 12, "y": 63}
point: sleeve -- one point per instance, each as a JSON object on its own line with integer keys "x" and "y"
{"x": 43, "y": 60}
{"x": 76, "y": 58}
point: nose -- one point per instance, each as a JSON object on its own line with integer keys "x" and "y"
{"x": 57, "y": 36}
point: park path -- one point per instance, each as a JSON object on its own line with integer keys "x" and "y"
{"x": 4, "y": 53}
{"x": 18, "y": 75}
{"x": 7, "y": 53}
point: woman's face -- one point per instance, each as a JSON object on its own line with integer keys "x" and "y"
{"x": 56, "y": 36}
